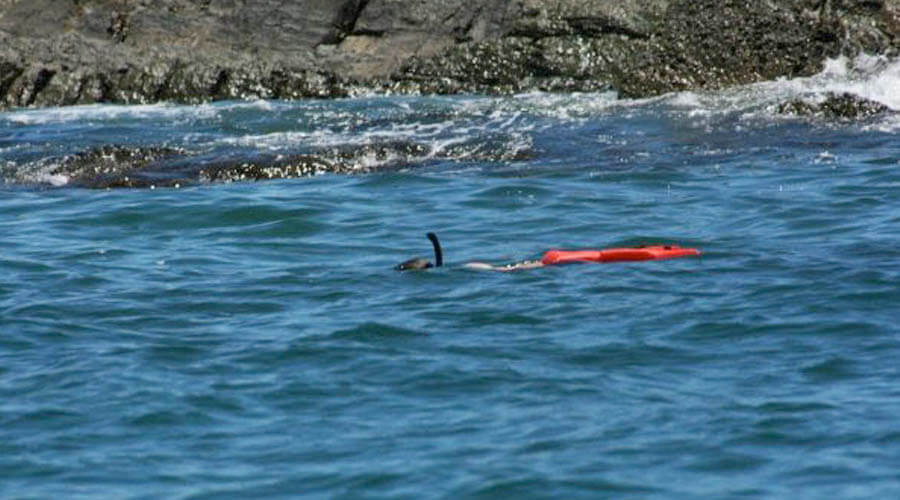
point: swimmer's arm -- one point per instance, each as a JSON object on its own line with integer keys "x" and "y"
{"x": 516, "y": 266}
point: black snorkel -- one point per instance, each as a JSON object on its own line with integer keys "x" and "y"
{"x": 420, "y": 263}
{"x": 438, "y": 254}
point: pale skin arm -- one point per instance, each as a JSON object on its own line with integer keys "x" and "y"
{"x": 515, "y": 266}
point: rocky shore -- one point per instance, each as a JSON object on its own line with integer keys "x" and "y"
{"x": 118, "y": 166}
{"x": 61, "y": 52}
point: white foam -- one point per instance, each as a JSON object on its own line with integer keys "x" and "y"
{"x": 108, "y": 112}
{"x": 875, "y": 78}
{"x": 467, "y": 119}
{"x": 41, "y": 172}
{"x": 686, "y": 99}
{"x": 888, "y": 125}
{"x": 276, "y": 141}
{"x": 835, "y": 68}
{"x": 55, "y": 180}
{"x": 568, "y": 107}
{"x": 826, "y": 157}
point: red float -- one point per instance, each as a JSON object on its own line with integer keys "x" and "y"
{"x": 632, "y": 254}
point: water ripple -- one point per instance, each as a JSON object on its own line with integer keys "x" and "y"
{"x": 253, "y": 340}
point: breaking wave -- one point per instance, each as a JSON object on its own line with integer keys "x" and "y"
{"x": 35, "y": 143}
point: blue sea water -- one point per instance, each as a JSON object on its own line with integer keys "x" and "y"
{"x": 251, "y": 340}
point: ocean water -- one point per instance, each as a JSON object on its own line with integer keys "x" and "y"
{"x": 251, "y": 340}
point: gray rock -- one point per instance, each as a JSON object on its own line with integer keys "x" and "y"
{"x": 58, "y": 52}
{"x": 114, "y": 166}
{"x": 839, "y": 107}
{"x": 118, "y": 166}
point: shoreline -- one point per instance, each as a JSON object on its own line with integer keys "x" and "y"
{"x": 184, "y": 51}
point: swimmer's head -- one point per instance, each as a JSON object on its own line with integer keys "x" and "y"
{"x": 420, "y": 263}
{"x": 413, "y": 265}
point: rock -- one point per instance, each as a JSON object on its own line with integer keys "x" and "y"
{"x": 349, "y": 159}
{"x": 841, "y": 107}
{"x": 58, "y": 52}
{"x": 115, "y": 166}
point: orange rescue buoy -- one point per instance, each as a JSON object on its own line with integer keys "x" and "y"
{"x": 630, "y": 254}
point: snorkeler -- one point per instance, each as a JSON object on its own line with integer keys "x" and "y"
{"x": 419, "y": 263}
{"x": 554, "y": 257}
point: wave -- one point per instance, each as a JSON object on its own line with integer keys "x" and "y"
{"x": 868, "y": 78}
{"x": 443, "y": 129}
{"x": 100, "y": 113}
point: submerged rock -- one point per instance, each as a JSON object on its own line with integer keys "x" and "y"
{"x": 118, "y": 166}
{"x": 56, "y": 53}
{"x": 149, "y": 167}
{"x": 351, "y": 159}
{"x": 843, "y": 107}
